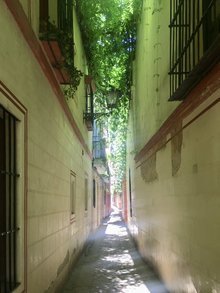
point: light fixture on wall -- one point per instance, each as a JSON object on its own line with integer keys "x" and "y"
{"x": 90, "y": 115}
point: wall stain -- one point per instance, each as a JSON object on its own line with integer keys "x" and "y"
{"x": 59, "y": 270}
{"x": 176, "y": 147}
{"x": 148, "y": 169}
{"x": 64, "y": 263}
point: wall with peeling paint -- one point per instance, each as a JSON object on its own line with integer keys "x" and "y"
{"x": 175, "y": 179}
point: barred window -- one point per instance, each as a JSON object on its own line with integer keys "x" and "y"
{"x": 65, "y": 15}
{"x": 64, "y": 11}
{"x": 194, "y": 42}
{"x": 72, "y": 193}
{"x": 8, "y": 202}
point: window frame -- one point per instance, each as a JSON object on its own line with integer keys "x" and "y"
{"x": 8, "y": 187}
{"x": 72, "y": 195}
{"x": 11, "y": 103}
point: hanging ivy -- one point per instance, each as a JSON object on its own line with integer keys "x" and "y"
{"x": 109, "y": 34}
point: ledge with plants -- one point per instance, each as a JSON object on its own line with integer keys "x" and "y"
{"x": 59, "y": 47}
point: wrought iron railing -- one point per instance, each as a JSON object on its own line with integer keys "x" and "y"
{"x": 99, "y": 144}
{"x": 64, "y": 21}
{"x": 89, "y": 102}
{"x": 194, "y": 28}
{"x": 99, "y": 148}
{"x": 60, "y": 29}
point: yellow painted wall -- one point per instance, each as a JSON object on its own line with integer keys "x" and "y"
{"x": 78, "y": 103}
{"x": 53, "y": 242}
{"x": 31, "y": 9}
{"x": 175, "y": 212}
{"x": 177, "y": 217}
{"x": 25, "y": 6}
{"x": 152, "y": 67}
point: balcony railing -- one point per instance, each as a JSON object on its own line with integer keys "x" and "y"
{"x": 194, "y": 43}
{"x": 99, "y": 148}
{"x": 89, "y": 112}
{"x": 56, "y": 30}
{"x": 99, "y": 152}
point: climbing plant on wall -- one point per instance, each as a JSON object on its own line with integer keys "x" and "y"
{"x": 109, "y": 34}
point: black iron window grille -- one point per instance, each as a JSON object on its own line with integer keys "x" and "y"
{"x": 57, "y": 35}
{"x": 65, "y": 19}
{"x": 63, "y": 25}
{"x": 194, "y": 42}
{"x": 89, "y": 116}
{"x": 89, "y": 101}
{"x": 8, "y": 202}
{"x": 65, "y": 15}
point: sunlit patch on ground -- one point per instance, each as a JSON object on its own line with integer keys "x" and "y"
{"x": 120, "y": 258}
{"x": 112, "y": 264}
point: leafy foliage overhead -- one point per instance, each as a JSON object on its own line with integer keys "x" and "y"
{"x": 109, "y": 30}
{"x": 109, "y": 34}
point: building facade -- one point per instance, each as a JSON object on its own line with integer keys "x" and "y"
{"x": 173, "y": 165}
{"x": 46, "y": 177}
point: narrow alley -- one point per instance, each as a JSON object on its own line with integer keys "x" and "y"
{"x": 111, "y": 263}
{"x": 109, "y": 103}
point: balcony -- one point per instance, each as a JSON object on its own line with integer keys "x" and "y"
{"x": 56, "y": 35}
{"x": 89, "y": 113}
{"x": 99, "y": 153}
{"x": 109, "y": 103}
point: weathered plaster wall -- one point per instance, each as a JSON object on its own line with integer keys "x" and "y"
{"x": 152, "y": 67}
{"x": 175, "y": 185}
{"x": 177, "y": 212}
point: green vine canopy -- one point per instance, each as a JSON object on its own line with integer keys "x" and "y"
{"x": 109, "y": 34}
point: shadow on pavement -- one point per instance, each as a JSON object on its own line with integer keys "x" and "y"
{"x": 111, "y": 263}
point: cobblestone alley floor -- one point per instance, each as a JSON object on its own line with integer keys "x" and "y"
{"x": 111, "y": 263}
